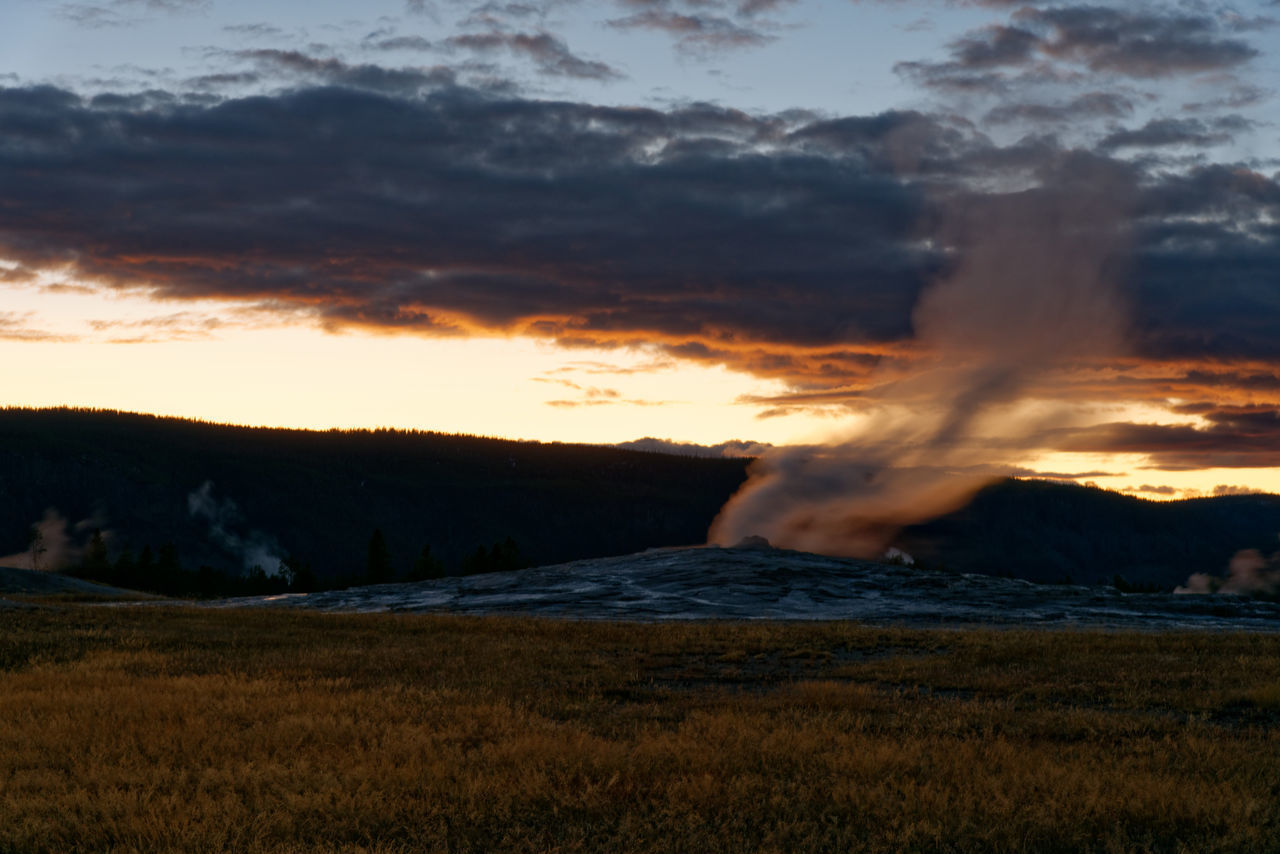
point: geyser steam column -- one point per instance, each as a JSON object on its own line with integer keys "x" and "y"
{"x": 1031, "y": 295}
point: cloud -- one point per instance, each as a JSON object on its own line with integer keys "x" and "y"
{"x": 175, "y": 326}
{"x": 1059, "y": 475}
{"x": 1233, "y": 437}
{"x": 1197, "y": 133}
{"x": 417, "y": 43}
{"x": 377, "y": 78}
{"x": 994, "y": 47}
{"x": 791, "y": 246}
{"x": 92, "y": 16}
{"x": 1152, "y": 490}
{"x": 1091, "y": 105}
{"x": 167, "y": 5}
{"x": 1228, "y": 489}
{"x": 1137, "y": 42}
{"x": 1234, "y": 95}
{"x": 1056, "y": 42}
{"x": 17, "y": 326}
{"x": 733, "y": 448}
{"x": 257, "y": 31}
{"x": 607, "y": 400}
{"x": 695, "y": 33}
{"x": 551, "y": 54}
{"x": 119, "y": 13}
{"x": 735, "y": 8}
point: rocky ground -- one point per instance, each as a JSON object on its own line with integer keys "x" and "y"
{"x": 25, "y": 582}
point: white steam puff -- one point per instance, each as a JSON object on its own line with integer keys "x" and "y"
{"x": 1248, "y": 574}
{"x": 255, "y": 549}
{"x": 57, "y": 544}
{"x": 1032, "y": 292}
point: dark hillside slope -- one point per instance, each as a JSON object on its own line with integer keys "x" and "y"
{"x": 320, "y": 495}
{"x": 1050, "y": 532}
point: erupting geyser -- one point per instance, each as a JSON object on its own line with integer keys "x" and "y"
{"x": 1031, "y": 291}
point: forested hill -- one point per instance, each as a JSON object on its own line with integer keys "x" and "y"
{"x": 223, "y": 495}
{"x": 1050, "y": 532}
{"x": 195, "y": 494}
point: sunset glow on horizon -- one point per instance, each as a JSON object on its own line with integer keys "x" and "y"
{"x": 1038, "y": 241}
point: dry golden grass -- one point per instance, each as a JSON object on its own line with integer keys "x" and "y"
{"x": 143, "y": 729}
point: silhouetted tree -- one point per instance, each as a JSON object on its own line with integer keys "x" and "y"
{"x": 125, "y": 570}
{"x": 167, "y": 560}
{"x": 256, "y": 582}
{"x": 476, "y": 562}
{"x": 145, "y": 571}
{"x": 506, "y": 556}
{"x": 427, "y": 566}
{"x": 95, "y": 563}
{"x": 210, "y": 582}
{"x": 378, "y": 567}
{"x": 299, "y": 574}
{"x": 503, "y": 557}
{"x": 35, "y": 539}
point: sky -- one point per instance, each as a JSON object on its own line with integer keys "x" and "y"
{"x": 1039, "y": 239}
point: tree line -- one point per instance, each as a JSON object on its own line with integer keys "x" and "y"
{"x": 161, "y": 570}
{"x": 318, "y": 495}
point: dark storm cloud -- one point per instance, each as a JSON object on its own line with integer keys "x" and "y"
{"x": 791, "y": 246}
{"x": 895, "y": 142}
{"x": 1207, "y": 249}
{"x": 550, "y": 53}
{"x": 426, "y": 212}
{"x": 1228, "y": 380}
{"x": 1234, "y": 437}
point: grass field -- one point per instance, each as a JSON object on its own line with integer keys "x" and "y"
{"x": 150, "y": 729}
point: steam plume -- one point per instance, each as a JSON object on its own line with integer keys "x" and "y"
{"x": 255, "y": 549}
{"x": 1248, "y": 574}
{"x": 52, "y": 548}
{"x": 57, "y": 543}
{"x": 1031, "y": 291}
